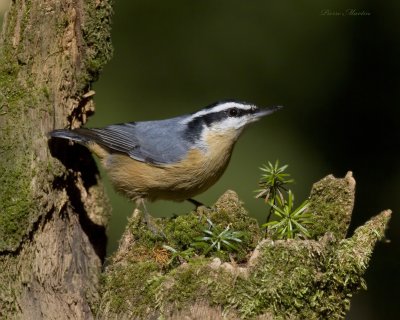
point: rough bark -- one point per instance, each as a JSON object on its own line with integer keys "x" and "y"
{"x": 52, "y": 212}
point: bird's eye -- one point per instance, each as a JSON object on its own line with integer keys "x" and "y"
{"x": 233, "y": 112}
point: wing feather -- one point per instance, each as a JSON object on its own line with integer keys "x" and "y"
{"x": 155, "y": 142}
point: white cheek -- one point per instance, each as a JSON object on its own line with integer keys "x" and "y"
{"x": 231, "y": 126}
{"x": 237, "y": 123}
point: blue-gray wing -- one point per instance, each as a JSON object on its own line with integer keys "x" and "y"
{"x": 156, "y": 142}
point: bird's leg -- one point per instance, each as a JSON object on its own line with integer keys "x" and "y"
{"x": 152, "y": 227}
{"x": 196, "y": 203}
{"x": 141, "y": 202}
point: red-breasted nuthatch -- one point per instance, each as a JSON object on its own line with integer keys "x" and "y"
{"x": 173, "y": 159}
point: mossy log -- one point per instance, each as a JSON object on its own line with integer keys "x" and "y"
{"x": 266, "y": 279}
{"x": 52, "y": 213}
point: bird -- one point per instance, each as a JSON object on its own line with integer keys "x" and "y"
{"x": 173, "y": 159}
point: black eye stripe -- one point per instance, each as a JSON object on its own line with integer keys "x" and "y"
{"x": 236, "y": 112}
{"x": 196, "y": 124}
{"x": 218, "y": 116}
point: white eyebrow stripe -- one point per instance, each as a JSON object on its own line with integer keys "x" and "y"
{"x": 217, "y": 108}
{"x": 221, "y": 107}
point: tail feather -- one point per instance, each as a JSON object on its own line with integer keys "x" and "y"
{"x": 82, "y": 136}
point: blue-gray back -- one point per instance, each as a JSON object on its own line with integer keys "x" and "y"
{"x": 157, "y": 142}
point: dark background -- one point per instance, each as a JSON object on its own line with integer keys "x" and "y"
{"x": 336, "y": 72}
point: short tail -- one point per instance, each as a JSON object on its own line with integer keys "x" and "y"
{"x": 82, "y": 136}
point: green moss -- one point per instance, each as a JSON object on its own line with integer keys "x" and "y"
{"x": 17, "y": 204}
{"x": 182, "y": 231}
{"x": 140, "y": 293}
{"x": 11, "y": 92}
{"x": 287, "y": 279}
{"x": 142, "y": 234}
{"x": 331, "y": 203}
{"x": 237, "y": 218}
{"x": 189, "y": 283}
{"x": 281, "y": 283}
{"x": 97, "y": 36}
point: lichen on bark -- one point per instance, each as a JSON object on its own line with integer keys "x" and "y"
{"x": 284, "y": 279}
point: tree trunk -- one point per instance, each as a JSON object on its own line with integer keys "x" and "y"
{"x": 53, "y": 212}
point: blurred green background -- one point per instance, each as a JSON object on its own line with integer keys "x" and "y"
{"x": 335, "y": 71}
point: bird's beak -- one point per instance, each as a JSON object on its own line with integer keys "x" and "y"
{"x": 261, "y": 112}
